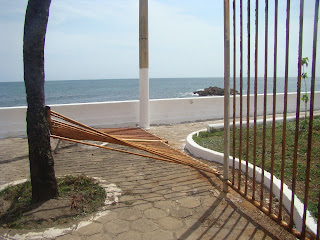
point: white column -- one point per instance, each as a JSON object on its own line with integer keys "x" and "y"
{"x": 144, "y": 115}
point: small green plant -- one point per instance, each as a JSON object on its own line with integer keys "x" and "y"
{"x": 304, "y": 75}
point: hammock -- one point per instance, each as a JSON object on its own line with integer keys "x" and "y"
{"x": 64, "y": 128}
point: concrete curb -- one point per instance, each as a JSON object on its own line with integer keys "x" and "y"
{"x": 217, "y": 157}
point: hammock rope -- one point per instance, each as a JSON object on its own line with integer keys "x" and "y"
{"x": 64, "y": 128}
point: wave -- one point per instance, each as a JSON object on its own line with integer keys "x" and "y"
{"x": 188, "y": 94}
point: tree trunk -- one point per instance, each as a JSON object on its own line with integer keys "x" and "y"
{"x": 44, "y": 184}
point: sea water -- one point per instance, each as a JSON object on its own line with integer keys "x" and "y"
{"x": 84, "y": 91}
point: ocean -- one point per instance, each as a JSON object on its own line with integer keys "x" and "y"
{"x": 84, "y": 91}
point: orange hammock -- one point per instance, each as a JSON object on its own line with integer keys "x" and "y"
{"x": 64, "y": 128}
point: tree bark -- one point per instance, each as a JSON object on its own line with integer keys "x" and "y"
{"x": 44, "y": 184}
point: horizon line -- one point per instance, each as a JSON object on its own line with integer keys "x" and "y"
{"x": 100, "y": 79}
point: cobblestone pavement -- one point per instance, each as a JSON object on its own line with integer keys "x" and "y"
{"x": 159, "y": 200}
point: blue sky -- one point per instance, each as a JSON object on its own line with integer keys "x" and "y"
{"x": 98, "y": 39}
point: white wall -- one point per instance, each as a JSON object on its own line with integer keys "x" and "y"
{"x": 125, "y": 113}
{"x": 106, "y": 114}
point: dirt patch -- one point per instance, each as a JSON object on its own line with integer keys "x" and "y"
{"x": 43, "y": 215}
{"x": 79, "y": 196}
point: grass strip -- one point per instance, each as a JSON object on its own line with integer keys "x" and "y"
{"x": 214, "y": 141}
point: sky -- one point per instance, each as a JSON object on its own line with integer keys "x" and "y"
{"x": 98, "y": 39}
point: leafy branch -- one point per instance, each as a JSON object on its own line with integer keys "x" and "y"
{"x": 304, "y": 76}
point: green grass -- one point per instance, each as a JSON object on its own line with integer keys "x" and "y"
{"x": 85, "y": 194}
{"x": 214, "y": 141}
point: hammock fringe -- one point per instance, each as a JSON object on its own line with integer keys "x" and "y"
{"x": 64, "y": 128}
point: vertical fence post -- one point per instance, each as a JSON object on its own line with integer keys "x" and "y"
{"x": 234, "y": 94}
{"x": 266, "y": 36}
{"x": 297, "y": 129}
{"x": 285, "y": 110}
{"x": 274, "y": 99}
{"x": 144, "y": 116}
{"x": 248, "y": 99}
{"x": 255, "y": 101}
{"x": 241, "y": 100}
{"x": 226, "y": 95}
{"x": 309, "y": 152}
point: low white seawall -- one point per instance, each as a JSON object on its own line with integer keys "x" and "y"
{"x": 125, "y": 113}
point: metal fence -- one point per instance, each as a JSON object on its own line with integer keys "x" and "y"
{"x": 254, "y": 189}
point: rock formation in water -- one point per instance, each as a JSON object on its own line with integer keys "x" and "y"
{"x": 213, "y": 91}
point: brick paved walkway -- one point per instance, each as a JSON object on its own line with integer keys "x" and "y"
{"x": 159, "y": 200}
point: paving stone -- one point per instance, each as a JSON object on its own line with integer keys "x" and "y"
{"x": 180, "y": 212}
{"x": 235, "y": 221}
{"x": 170, "y": 223}
{"x": 141, "y": 191}
{"x": 132, "y": 235}
{"x": 126, "y": 185}
{"x": 144, "y": 225}
{"x": 175, "y": 195}
{"x": 194, "y": 223}
{"x": 69, "y": 237}
{"x": 141, "y": 205}
{"x": 116, "y": 226}
{"x": 196, "y": 191}
{"x": 90, "y": 229}
{"x": 127, "y": 198}
{"x": 165, "y": 205}
{"x": 172, "y": 178}
{"x": 210, "y": 201}
{"x": 155, "y": 213}
{"x": 99, "y": 237}
{"x": 158, "y": 235}
{"x": 192, "y": 234}
{"x": 189, "y": 202}
{"x": 222, "y": 233}
{"x": 148, "y": 186}
{"x": 225, "y": 212}
{"x": 201, "y": 212}
{"x": 163, "y": 191}
{"x": 152, "y": 197}
{"x": 135, "y": 178}
{"x": 112, "y": 215}
{"x": 129, "y": 214}
{"x": 182, "y": 188}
